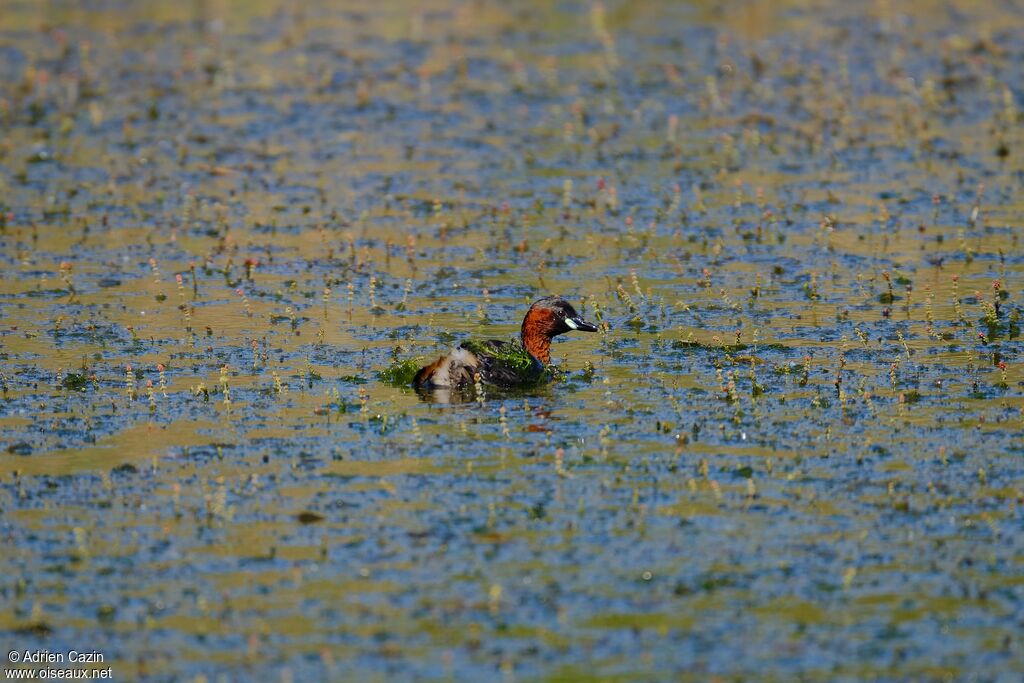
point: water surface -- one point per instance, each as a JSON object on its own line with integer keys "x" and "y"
{"x": 794, "y": 452}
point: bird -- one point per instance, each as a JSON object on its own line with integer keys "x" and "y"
{"x": 506, "y": 363}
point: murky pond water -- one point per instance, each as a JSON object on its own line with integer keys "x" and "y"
{"x": 794, "y": 451}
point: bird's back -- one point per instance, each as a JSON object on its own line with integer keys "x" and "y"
{"x": 504, "y": 363}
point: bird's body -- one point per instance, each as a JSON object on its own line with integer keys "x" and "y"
{"x": 506, "y": 363}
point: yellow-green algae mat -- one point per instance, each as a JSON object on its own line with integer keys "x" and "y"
{"x": 793, "y": 452}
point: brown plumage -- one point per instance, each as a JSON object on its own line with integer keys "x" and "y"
{"x": 535, "y": 333}
{"x": 503, "y": 362}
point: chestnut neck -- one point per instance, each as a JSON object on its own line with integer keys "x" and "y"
{"x": 537, "y": 338}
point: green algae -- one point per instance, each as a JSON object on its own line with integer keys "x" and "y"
{"x": 513, "y": 363}
{"x": 401, "y": 372}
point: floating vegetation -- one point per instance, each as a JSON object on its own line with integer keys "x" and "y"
{"x": 75, "y": 381}
{"x": 401, "y": 372}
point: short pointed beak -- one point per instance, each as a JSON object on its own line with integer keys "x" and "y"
{"x": 580, "y": 324}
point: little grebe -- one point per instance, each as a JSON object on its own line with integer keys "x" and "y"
{"x": 507, "y": 363}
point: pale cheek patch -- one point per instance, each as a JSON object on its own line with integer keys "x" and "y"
{"x": 571, "y": 323}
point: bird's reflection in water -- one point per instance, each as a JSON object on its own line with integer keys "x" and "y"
{"x": 446, "y": 395}
{"x": 486, "y": 394}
